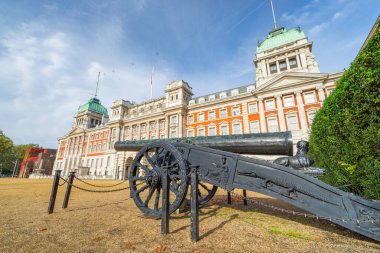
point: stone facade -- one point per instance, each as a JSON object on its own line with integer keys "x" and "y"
{"x": 288, "y": 91}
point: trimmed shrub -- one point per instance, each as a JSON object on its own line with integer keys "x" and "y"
{"x": 345, "y": 136}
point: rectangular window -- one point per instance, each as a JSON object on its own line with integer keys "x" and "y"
{"x": 173, "y": 134}
{"x": 236, "y": 111}
{"x": 282, "y": 65}
{"x": 292, "y": 63}
{"x": 173, "y": 119}
{"x": 190, "y": 133}
{"x": 223, "y": 113}
{"x": 292, "y": 122}
{"x": 272, "y": 125}
{"x": 162, "y": 124}
{"x": 211, "y": 115}
{"x": 143, "y": 128}
{"x": 311, "y": 116}
{"x": 236, "y": 128}
{"x": 309, "y": 97}
{"x": 201, "y": 117}
{"x": 224, "y": 130}
{"x": 252, "y": 108}
{"x": 255, "y": 127}
{"x": 190, "y": 119}
{"x": 269, "y": 104}
{"x": 329, "y": 91}
{"x": 273, "y": 68}
{"x": 288, "y": 101}
{"x": 201, "y": 132}
{"x": 211, "y": 131}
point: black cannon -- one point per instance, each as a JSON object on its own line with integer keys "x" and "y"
{"x": 228, "y": 170}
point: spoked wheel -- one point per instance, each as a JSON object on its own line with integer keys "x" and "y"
{"x": 205, "y": 193}
{"x": 146, "y": 178}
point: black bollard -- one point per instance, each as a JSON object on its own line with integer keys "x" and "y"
{"x": 165, "y": 202}
{"x": 245, "y": 197}
{"x": 229, "y": 198}
{"x": 194, "y": 205}
{"x": 54, "y": 191}
{"x": 68, "y": 189}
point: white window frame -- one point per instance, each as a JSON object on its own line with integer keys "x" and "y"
{"x": 209, "y": 131}
{"x": 270, "y": 119}
{"x": 190, "y": 133}
{"x": 223, "y": 95}
{"x": 201, "y": 100}
{"x": 199, "y": 131}
{"x": 221, "y": 114}
{"x": 221, "y": 129}
{"x": 190, "y": 119}
{"x": 295, "y": 125}
{"x": 239, "y": 130}
{"x": 270, "y": 108}
{"x": 236, "y": 111}
{"x": 258, "y": 126}
{"x": 306, "y": 97}
{"x": 286, "y": 103}
{"x": 235, "y": 92}
{"x": 211, "y": 98}
{"x": 309, "y": 112}
{"x": 173, "y": 119}
{"x": 213, "y": 115}
{"x": 252, "y": 108}
{"x": 201, "y": 119}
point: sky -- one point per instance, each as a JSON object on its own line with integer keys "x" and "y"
{"x": 52, "y": 51}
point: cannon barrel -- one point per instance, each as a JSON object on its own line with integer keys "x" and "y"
{"x": 279, "y": 143}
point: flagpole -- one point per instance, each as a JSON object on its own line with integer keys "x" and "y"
{"x": 151, "y": 83}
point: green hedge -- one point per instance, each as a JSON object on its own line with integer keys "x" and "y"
{"x": 345, "y": 136}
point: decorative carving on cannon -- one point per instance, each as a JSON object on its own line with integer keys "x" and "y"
{"x": 219, "y": 168}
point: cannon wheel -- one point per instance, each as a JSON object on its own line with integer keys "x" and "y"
{"x": 204, "y": 198}
{"x": 146, "y": 177}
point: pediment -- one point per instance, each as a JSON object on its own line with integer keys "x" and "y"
{"x": 286, "y": 80}
{"x": 75, "y": 131}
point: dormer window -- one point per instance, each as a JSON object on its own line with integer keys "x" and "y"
{"x": 250, "y": 88}
{"x": 191, "y": 102}
{"x": 223, "y": 95}
{"x": 234, "y": 92}
{"x": 292, "y": 63}
{"x": 211, "y": 98}
{"x": 273, "y": 68}
{"x": 201, "y": 100}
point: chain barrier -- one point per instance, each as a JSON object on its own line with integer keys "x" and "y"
{"x": 100, "y": 186}
{"x": 96, "y": 191}
{"x": 306, "y": 215}
{"x": 64, "y": 181}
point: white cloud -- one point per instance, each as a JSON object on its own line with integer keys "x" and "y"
{"x": 319, "y": 28}
{"x": 45, "y": 77}
{"x": 337, "y": 15}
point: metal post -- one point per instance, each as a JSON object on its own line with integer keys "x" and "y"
{"x": 194, "y": 205}
{"x": 245, "y": 197}
{"x": 68, "y": 189}
{"x": 165, "y": 202}
{"x": 229, "y": 198}
{"x": 54, "y": 191}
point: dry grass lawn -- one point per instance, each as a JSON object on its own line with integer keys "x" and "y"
{"x": 110, "y": 222}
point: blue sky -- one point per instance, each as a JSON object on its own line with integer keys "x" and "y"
{"x": 51, "y": 51}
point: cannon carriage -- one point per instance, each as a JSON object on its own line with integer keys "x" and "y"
{"x": 220, "y": 164}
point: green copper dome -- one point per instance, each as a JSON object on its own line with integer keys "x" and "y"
{"x": 93, "y": 105}
{"x": 279, "y": 37}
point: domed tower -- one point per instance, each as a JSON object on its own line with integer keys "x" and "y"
{"x": 91, "y": 114}
{"x": 284, "y": 51}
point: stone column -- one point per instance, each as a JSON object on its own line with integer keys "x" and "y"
{"x": 262, "y": 116}
{"x": 180, "y": 122}
{"x": 301, "y": 110}
{"x": 167, "y": 126}
{"x": 321, "y": 94}
{"x": 157, "y": 129}
{"x": 281, "y": 115}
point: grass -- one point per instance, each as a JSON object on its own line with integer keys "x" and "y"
{"x": 110, "y": 222}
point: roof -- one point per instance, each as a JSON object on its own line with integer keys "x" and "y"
{"x": 93, "y": 105}
{"x": 280, "y": 36}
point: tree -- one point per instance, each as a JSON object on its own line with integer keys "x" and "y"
{"x": 6, "y": 154}
{"x": 345, "y": 136}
